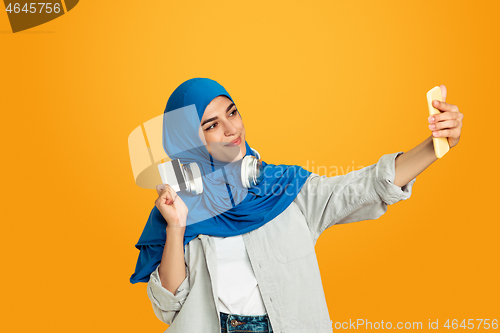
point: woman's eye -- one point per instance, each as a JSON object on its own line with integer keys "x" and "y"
{"x": 211, "y": 127}
{"x": 235, "y": 112}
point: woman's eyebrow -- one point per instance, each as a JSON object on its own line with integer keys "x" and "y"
{"x": 215, "y": 118}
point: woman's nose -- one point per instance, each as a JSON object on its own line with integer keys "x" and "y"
{"x": 230, "y": 129}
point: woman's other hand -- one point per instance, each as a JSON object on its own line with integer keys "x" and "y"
{"x": 171, "y": 206}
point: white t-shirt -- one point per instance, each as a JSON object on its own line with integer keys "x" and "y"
{"x": 236, "y": 283}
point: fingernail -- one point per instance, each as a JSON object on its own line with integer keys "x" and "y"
{"x": 431, "y": 119}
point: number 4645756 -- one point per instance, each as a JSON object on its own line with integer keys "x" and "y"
{"x": 485, "y": 323}
{"x": 56, "y": 8}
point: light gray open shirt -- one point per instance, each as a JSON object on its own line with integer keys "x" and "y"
{"x": 282, "y": 254}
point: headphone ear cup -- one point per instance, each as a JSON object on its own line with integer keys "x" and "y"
{"x": 244, "y": 171}
{"x": 251, "y": 171}
{"x": 193, "y": 179}
{"x": 198, "y": 182}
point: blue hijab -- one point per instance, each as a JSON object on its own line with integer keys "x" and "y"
{"x": 225, "y": 208}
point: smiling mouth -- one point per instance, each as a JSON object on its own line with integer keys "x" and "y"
{"x": 238, "y": 141}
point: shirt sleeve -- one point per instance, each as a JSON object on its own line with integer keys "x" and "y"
{"x": 362, "y": 194}
{"x": 166, "y": 305}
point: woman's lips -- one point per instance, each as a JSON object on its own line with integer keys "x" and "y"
{"x": 235, "y": 143}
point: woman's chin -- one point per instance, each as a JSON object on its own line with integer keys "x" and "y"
{"x": 232, "y": 154}
{"x": 232, "y": 158}
{"x": 240, "y": 153}
{"x": 237, "y": 158}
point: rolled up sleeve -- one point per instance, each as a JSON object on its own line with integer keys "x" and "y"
{"x": 386, "y": 173}
{"x": 166, "y": 305}
{"x": 362, "y": 194}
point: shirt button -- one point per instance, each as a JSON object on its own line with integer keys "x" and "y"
{"x": 199, "y": 236}
{"x": 234, "y": 322}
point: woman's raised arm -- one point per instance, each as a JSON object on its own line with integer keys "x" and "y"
{"x": 362, "y": 194}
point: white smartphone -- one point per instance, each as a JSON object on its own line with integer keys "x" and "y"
{"x": 441, "y": 145}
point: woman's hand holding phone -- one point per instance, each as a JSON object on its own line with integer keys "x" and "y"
{"x": 171, "y": 207}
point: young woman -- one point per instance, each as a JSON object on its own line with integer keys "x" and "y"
{"x": 242, "y": 259}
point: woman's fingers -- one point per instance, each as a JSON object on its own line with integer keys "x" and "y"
{"x": 165, "y": 194}
{"x": 451, "y": 123}
{"x": 442, "y": 106}
{"x": 160, "y": 187}
{"x": 173, "y": 194}
{"x": 443, "y": 91}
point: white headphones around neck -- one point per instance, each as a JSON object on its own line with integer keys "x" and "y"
{"x": 188, "y": 177}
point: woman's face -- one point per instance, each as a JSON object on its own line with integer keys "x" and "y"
{"x": 220, "y": 126}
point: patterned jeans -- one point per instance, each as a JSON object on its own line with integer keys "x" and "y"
{"x": 248, "y": 324}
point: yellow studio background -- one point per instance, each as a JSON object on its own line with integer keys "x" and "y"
{"x": 331, "y": 84}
